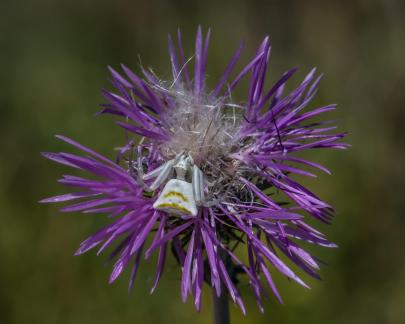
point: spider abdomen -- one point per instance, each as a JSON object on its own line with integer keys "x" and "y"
{"x": 177, "y": 198}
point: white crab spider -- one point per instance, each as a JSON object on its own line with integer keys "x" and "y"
{"x": 178, "y": 196}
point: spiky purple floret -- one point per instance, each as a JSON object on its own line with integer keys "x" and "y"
{"x": 272, "y": 127}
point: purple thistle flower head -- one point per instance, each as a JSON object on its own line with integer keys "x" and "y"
{"x": 203, "y": 175}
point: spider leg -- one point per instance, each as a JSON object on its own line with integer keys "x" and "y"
{"x": 154, "y": 173}
{"x": 198, "y": 185}
{"x": 139, "y": 168}
{"x": 164, "y": 173}
{"x": 160, "y": 173}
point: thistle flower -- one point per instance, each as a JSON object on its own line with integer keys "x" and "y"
{"x": 206, "y": 174}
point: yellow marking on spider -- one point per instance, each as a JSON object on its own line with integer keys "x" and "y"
{"x": 176, "y": 194}
{"x": 175, "y": 206}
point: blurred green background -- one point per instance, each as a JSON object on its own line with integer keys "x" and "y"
{"x": 53, "y": 59}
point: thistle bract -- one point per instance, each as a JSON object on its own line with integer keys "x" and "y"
{"x": 207, "y": 176}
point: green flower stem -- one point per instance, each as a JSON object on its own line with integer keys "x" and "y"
{"x": 221, "y": 307}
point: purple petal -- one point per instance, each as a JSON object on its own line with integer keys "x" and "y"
{"x": 146, "y": 230}
{"x": 185, "y": 280}
{"x": 246, "y": 69}
{"x": 227, "y": 71}
{"x": 167, "y": 237}
{"x": 198, "y": 78}
{"x": 70, "y": 196}
{"x": 173, "y": 58}
{"x": 87, "y": 150}
{"x": 276, "y": 215}
{"x": 184, "y": 69}
{"x": 143, "y": 131}
{"x": 135, "y": 269}
{"x": 161, "y": 257}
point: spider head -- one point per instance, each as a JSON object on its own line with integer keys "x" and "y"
{"x": 183, "y": 165}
